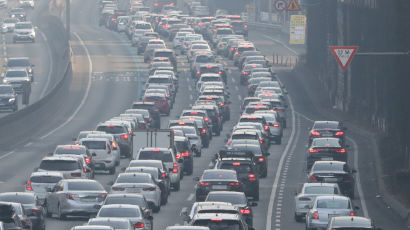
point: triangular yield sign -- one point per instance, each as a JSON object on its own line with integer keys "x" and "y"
{"x": 344, "y": 54}
{"x": 293, "y": 6}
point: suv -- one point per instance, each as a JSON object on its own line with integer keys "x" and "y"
{"x": 8, "y": 217}
{"x": 167, "y": 156}
{"x": 122, "y": 135}
{"x": 153, "y": 110}
{"x": 70, "y": 167}
{"x": 214, "y": 115}
{"x": 21, "y": 62}
{"x": 16, "y": 77}
{"x": 169, "y": 53}
{"x": 327, "y": 149}
{"x": 8, "y": 98}
{"x": 214, "y": 221}
{"x": 24, "y": 31}
{"x": 102, "y": 153}
{"x": 350, "y": 222}
{"x": 184, "y": 149}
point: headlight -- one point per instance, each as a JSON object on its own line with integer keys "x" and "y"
{"x": 33, "y": 34}
{"x": 13, "y": 16}
{"x": 30, "y": 71}
{"x": 5, "y": 80}
{"x": 11, "y": 100}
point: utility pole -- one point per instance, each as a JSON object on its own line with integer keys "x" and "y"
{"x": 67, "y": 18}
{"x": 270, "y": 11}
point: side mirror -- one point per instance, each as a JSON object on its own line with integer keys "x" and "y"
{"x": 252, "y": 204}
{"x": 94, "y": 154}
{"x": 196, "y": 179}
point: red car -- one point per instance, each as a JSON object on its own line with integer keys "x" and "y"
{"x": 160, "y": 100}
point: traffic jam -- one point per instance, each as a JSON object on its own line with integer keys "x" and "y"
{"x": 187, "y": 54}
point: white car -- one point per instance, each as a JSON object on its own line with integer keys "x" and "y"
{"x": 179, "y": 38}
{"x": 116, "y": 223}
{"x": 8, "y": 25}
{"x": 130, "y": 212}
{"x": 39, "y": 182}
{"x": 24, "y": 31}
{"x": 26, "y": 3}
{"x": 101, "y": 150}
{"x": 208, "y": 77}
{"x": 70, "y": 167}
{"x": 142, "y": 183}
{"x": 122, "y": 23}
{"x": 307, "y": 195}
{"x": 114, "y": 144}
{"x": 3, "y": 3}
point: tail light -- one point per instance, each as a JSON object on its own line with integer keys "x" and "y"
{"x": 266, "y": 127}
{"x": 316, "y": 215}
{"x": 341, "y": 150}
{"x": 244, "y": 73}
{"x": 313, "y": 150}
{"x": 149, "y": 189}
{"x": 236, "y": 53}
{"x": 114, "y": 144}
{"x": 246, "y": 211}
{"x": 261, "y": 140}
{"x": 185, "y": 154}
{"x": 228, "y": 143}
{"x": 125, "y": 136}
{"x": 340, "y": 133}
{"x": 178, "y": 156}
{"x": 164, "y": 175}
{"x": 351, "y": 214}
{"x": 234, "y": 183}
{"x": 28, "y": 186}
{"x": 203, "y": 131}
{"x": 220, "y": 72}
{"x": 200, "y": 24}
{"x": 175, "y": 170}
{"x": 139, "y": 225}
{"x": 252, "y": 177}
{"x": 75, "y": 174}
{"x": 314, "y": 133}
{"x": 35, "y": 210}
{"x": 129, "y": 132}
{"x": 175, "y": 165}
{"x": 118, "y": 188}
{"x": 88, "y": 160}
{"x": 275, "y": 125}
{"x": 206, "y": 119}
{"x": 198, "y": 72}
{"x": 245, "y": 26}
{"x": 204, "y": 183}
{"x": 149, "y": 119}
{"x": 312, "y": 178}
{"x": 85, "y": 170}
{"x": 69, "y": 196}
{"x": 216, "y": 220}
{"x": 156, "y": 4}
{"x": 231, "y": 49}
{"x": 261, "y": 159}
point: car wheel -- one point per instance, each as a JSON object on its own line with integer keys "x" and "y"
{"x": 15, "y": 108}
{"x": 112, "y": 171}
{"x": 264, "y": 173}
{"x": 256, "y": 196}
{"x": 177, "y": 186}
{"x": 190, "y": 169}
{"x": 279, "y": 140}
{"x": 60, "y": 216}
{"x": 351, "y": 195}
{"x": 156, "y": 208}
{"x": 164, "y": 199}
{"x": 206, "y": 145}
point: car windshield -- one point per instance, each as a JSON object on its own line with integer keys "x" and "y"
{"x": 134, "y": 178}
{"x": 84, "y": 186}
{"x": 23, "y": 26}
{"x": 158, "y": 80}
{"x": 156, "y": 155}
{"x": 333, "y": 204}
{"x": 23, "y": 199}
{"x": 112, "y": 129}
{"x": 216, "y": 174}
{"x": 94, "y": 144}
{"x": 227, "y": 197}
{"x": 16, "y": 73}
{"x": 116, "y": 224}
{"x": 10, "y": 20}
{"x": 58, "y": 165}
{"x": 6, "y": 90}
{"x": 219, "y": 224}
{"x": 320, "y": 190}
{"x": 17, "y": 62}
{"x": 45, "y": 179}
{"x": 125, "y": 200}
{"x": 122, "y": 212}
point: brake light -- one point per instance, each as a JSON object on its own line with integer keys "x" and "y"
{"x": 340, "y": 133}
{"x": 245, "y": 26}
{"x": 314, "y": 133}
{"x": 114, "y": 144}
{"x": 118, "y": 188}
{"x": 304, "y": 198}
{"x": 175, "y": 165}
{"x": 178, "y": 156}
{"x": 206, "y": 119}
{"x": 181, "y": 123}
{"x": 246, "y": 211}
{"x": 231, "y": 49}
{"x": 316, "y": 215}
{"x": 220, "y": 72}
{"x": 139, "y": 225}
{"x": 200, "y": 24}
{"x": 216, "y": 220}
{"x": 164, "y": 175}
{"x": 261, "y": 159}
{"x": 236, "y": 53}
{"x": 155, "y": 150}
{"x": 156, "y": 4}
{"x": 75, "y": 174}
{"x": 313, "y": 179}
{"x": 203, "y": 131}
{"x": 198, "y": 72}
{"x": 341, "y": 150}
{"x": 193, "y": 112}
{"x": 313, "y": 150}
{"x": 244, "y": 73}
{"x": 28, "y": 186}
{"x": 351, "y": 214}
{"x": 228, "y": 143}
{"x": 234, "y": 183}
{"x": 149, "y": 189}
{"x": 275, "y": 125}
{"x": 125, "y": 136}
{"x": 266, "y": 127}
{"x": 69, "y": 196}
{"x": 204, "y": 183}
{"x": 261, "y": 140}
{"x": 85, "y": 170}
{"x": 185, "y": 154}
{"x": 252, "y": 177}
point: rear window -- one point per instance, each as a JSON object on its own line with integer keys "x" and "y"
{"x": 205, "y": 59}
{"x": 238, "y": 167}
{"x": 218, "y": 224}
{"x": 70, "y": 150}
{"x": 95, "y": 144}
{"x": 152, "y": 155}
{"x": 121, "y": 212}
{"x": 116, "y": 224}
{"x": 58, "y": 165}
{"x": 181, "y": 146}
{"x": 159, "y": 80}
{"x": 113, "y": 129}
{"x": 154, "y": 98}
{"x": 208, "y": 175}
{"x": 326, "y": 125}
{"x": 327, "y": 167}
{"x": 326, "y": 142}
{"x": 163, "y": 54}
{"x": 125, "y": 200}
{"x": 224, "y": 32}
{"x": 241, "y": 49}
{"x": 134, "y": 178}
{"x": 23, "y": 199}
{"x": 245, "y": 136}
{"x": 320, "y": 190}
{"x": 248, "y": 119}
{"x": 45, "y": 179}
{"x": 333, "y": 204}
{"x": 209, "y": 69}
{"x": 84, "y": 186}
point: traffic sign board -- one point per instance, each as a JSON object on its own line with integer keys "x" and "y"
{"x": 280, "y": 5}
{"x": 344, "y": 54}
{"x": 293, "y": 6}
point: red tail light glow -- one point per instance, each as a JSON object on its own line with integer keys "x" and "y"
{"x": 175, "y": 170}
{"x": 206, "y": 119}
{"x": 125, "y": 136}
{"x": 175, "y": 165}
{"x": 340, "y": 133}
{"x": 315, "y": 215}
{"x": 315, "y": 133}
{"x": 178, "y": 156}
{"x": 313, "y": 179}
{"x": 164, "y": 175}
{"x": 204, "y": 183}
{"x": 252, "y": 177}
{"x": 351, "y": 214}
{"x": 149, "y": 189}
{"x": 87, "y": 160}
{"x": 341, "y": 150}
{"x": 261, "y": 140}
{"x": 216, "y": 220}
{"x": 234, "y": 183}
{"x": 246, "y": 211}
{"x": 275, "y": 125}
{"x": 139, "y": 225}
{"x": 185, "y": 154}
{"x": 261, "y": 159}
{"x": 313, "y": 150}
{"x": 244, "y": 73}
{"x": 28, "y": 186}
{"x": 118, "y": 188}
{"x": 266, "y": 127}
{"x": 203, "y": 131}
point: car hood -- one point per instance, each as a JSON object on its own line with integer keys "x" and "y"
{"x": 23, "y": 30}
{"x": 17, "y": 79}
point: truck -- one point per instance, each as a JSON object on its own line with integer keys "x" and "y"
{"x": 161, "y": 138}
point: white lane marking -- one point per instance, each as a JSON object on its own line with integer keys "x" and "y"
{"x": 191, "y": 97}
{"x": 356, "y": 166}
{"x": 189, "y": 88}
{"x": 28, "y": 144}
{"x": 6, "y": 155}
{"x": 190, "y": 197}
{"x": 281, "y": 43}
{"x": 236, "y": 88}
{"x": 358, "y": 184}
{"x": 87, "y": 91}
{"x": 278, "y": 171}
{"x": 188, "y": 80}
{"x": 51, "y": 65}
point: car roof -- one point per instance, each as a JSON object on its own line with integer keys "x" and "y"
{"x": 63, "y": 157}
{"x": 47, "y": 173}
{"x": 120, "y": 206}
{"x": 319, "y": 185}
{"x": 351, "y": 221}
{"x": 224, "y": 216}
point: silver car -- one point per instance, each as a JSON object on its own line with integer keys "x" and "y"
{"x": 39, "y": 182}
{"x": 131, "y": 212}
{"x": 325, "y": 207}
{"x": 308, "y": 193}
{"x": 142, "y": 183}
{"x": 24, "y": 31}
{"x": 350, "y": 222}
{"x": 102, "y": 153}
{"x": 69, "y": 166}
{"x": 8, "y": 25}
{"x": 92, "y": 227}
{"x": 116, "y": 223}
{"x": 75, "y": 197}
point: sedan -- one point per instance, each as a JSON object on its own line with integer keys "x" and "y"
{"x": 116, "y": 223}
{"x": 327, "y": 149}
{"x": 75, "y": 197}
{"x": 327, "y": 129}
{"x": 130, "y": 212}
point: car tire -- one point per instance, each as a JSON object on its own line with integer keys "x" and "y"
{"x": 278, "y": 140}
{"x": 264, "y": 173}
{"x": 256, "y": 196}
{"x": 177, "y": 186}
{"x": 111, "y": 171}
{"x": 60, "y": 216}
{"x": 156, "y": 208}
{"x": 164, "y": 199}
{"x": 351, "y": 195}
{"x": 206, "y": 145}
{"x": 190, "y": 169}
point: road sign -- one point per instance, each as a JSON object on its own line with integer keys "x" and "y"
{"x": 344, "y": 54}
{"x": 293, "y": 6}
{"x": 280, "y": 5}
{"x": 297, "y": 27}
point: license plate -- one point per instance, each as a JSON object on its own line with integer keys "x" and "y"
{"x": 219, "y": 187}
{"x": 99, "y": 165}
{"x": 326, "y": 158}
{"x": 327, "y": 134}
{"x": 331, "y": 215}
{"x": 136, "y": 190}
{"x": 331, "y": 180}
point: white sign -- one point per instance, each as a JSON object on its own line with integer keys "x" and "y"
{"x": 344, "y": 54}
{"x": 280, "y": 5}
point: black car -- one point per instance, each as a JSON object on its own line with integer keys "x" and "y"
{"x": 9, "y": 217}
{"x": 220, "y": 101}
{"x": 31, "y": 206}
{"x": 153, "y": 109}
{"x": 257, "y": 155}
{"x": 334, "y": 172}
{"x": 237, "y": 199}
{"x": 8, "y": 98}
{"x": 184, "y": 151}
{"x": 213, "y": 115}
{"x": 247, "y": 173}
{"x": 327, "y": 129}
{"x": 216, "y": 180}
{"x": 240, "y": 27}
{"x": 327, "y": 149}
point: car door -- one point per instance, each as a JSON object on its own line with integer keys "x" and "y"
{"x": 52, "y": 199}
